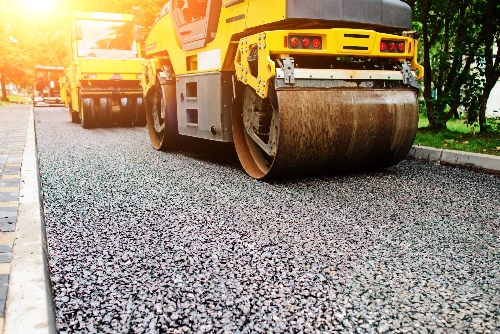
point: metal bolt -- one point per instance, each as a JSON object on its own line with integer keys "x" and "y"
{"x": 258, "y": 37}
{"x": 245, "y": 79}
{"x": 262, "y": 92}
{"x": 264, "y": 45}
{"x": 264, "y": 35}
{"x": 263, "y": 84}
{"x": 258, "y": 80}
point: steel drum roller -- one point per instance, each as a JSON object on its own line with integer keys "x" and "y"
{"x": 335, "y": 130}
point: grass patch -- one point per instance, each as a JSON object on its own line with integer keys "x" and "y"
{"x": 454, "y": 125}
{"x": 16, "y": 99}
{"x": 458, "y": 136}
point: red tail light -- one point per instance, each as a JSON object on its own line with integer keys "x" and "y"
{"x": 409, "y": 47}
{"x": 303, "y": 42}
{"x": 286, "y": 41}
{"x": 294, "y": 42}
{"x": 392, "y": 46}
{"x": 401, "y": 47}
{"x": 383, "y": 46}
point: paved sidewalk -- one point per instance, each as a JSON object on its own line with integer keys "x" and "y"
{"x": 13, "y": 127}
{"x": 25, "y": 292}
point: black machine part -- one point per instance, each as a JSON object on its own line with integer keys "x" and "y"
{"x": 381, "y": 13}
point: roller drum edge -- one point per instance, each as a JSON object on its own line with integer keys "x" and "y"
{"x": 341, "y": 130}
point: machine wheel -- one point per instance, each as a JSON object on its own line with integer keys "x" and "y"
{"x": 75, "y": 117}
{"x": 87, "y": 109}
{"x": 256, "y": 132}
{"x": 127, "y": 107}
{"x": 140, "y": 113}
{"x": 301, "y": 132}
{"x": 104, "y": 115}
{"x": 161, "y": 116}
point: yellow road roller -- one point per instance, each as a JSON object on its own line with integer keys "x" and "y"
{"x": 300, "y": 86}
{"x": 102, "y": 83}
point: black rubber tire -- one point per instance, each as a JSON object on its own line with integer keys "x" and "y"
{"x": 75, "y": 117}
{"x": 168, "y": 137}
{"x": 104, "y": 112}
{"x": 127, "y": 112}
{"x": 86, "y": 112}
{"x": 140, "y": 113}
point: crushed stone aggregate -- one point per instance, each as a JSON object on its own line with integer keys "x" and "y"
{"x": 142, "y": 241}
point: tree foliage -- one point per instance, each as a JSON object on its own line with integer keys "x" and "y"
{"x": 491, "y": 63}
{"x": 30, "y": 38}
{"x": 457, "y": 39}
{"x": 13, "y": 55}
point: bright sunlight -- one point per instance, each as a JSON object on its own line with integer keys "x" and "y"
{"x": 37, "y": 6}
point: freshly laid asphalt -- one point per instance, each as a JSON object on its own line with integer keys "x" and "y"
{"x": 143, "y": 241}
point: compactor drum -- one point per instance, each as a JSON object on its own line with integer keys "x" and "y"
{"x": 102, "y": 83}
{"x": 301, "y": 87}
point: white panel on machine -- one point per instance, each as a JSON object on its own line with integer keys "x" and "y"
{"x": 209, "y": 60}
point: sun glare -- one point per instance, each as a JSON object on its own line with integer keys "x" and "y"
{"x": 37, "y": 6}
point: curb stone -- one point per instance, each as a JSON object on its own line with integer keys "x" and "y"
{"x": 457, "y": 158}
{"x": 29, "y": 306}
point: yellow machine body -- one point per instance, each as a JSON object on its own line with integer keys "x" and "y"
{"x": 207, "y": 59}
{"x": 104, "y": 69}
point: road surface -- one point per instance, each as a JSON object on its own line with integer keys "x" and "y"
{"x": 144, "y": 241}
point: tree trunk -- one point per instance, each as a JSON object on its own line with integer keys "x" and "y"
{"x": 429, "y": 105}
{"x": 482, "y": 108}
{"x": 440, "y": 118}
{"x": 483, "y": 101}
{"x": 492, "y": 69}
{"x": 4, "y": 90}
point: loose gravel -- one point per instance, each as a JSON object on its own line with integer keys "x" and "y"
{"x": 142, "y": 241}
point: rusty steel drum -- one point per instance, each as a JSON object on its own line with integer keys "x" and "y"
{"x": 334, "y": 130}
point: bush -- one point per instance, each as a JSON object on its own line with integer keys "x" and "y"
{"x": 493, "y": 125}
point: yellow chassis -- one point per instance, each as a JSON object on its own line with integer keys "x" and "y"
{"x": 272, "y": 43}
{"x": 83, "y": 73}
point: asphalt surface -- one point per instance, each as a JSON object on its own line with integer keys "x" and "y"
{"x": 142, "y": 241}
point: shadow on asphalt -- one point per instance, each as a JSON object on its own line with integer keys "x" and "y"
{"x": 224, "y": 154}
{"x": 215, "y": 152}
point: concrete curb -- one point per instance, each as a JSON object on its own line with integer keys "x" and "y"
{"x": 457, "y": 158}
{"x": 29, "y": 306}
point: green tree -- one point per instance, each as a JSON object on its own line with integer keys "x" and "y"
{"x": 30, "y": 39}
{"x": 450, "y": 39}
{"x": 12, "y": 68}
{"x": 491, "y": 61}
{"x": 454, "y": 34}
